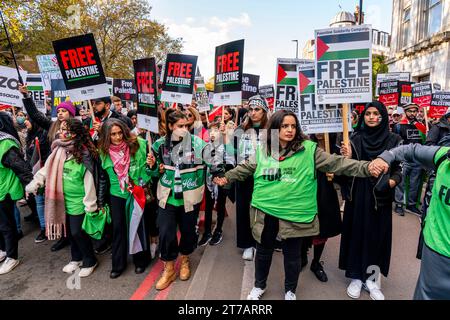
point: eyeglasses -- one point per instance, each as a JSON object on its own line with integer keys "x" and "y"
{"x": 190, "y": 115}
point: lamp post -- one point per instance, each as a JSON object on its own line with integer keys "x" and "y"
{"x": 296, "y": 48}
{"x": 360, "y": 11}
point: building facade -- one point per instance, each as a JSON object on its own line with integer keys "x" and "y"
{"x": 380, "y": 39}
{"x": 421, "y": 40}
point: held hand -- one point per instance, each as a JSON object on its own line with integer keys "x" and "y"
{"x": 161, "y": 168}
{"x": 96, "y": 126}
{"x": 346, "y": 150}
{"x": 377, "y": 167}
{"x": 392, "y": 183}
{"x": 23, "y": 89}
{"x": 330, "y": 176}
{"x": 151, "y": 160}
{"x": 220, "y": 181}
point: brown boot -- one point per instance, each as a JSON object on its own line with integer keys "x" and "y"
{"x": 185, "y": 271}
{"x": 169, "y": 275}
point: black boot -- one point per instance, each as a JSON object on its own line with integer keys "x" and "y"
{"x": 317, "y": 269}
{"x": 63, "y": 242}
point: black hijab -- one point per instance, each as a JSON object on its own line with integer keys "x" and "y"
{"x": 374, "y": 139}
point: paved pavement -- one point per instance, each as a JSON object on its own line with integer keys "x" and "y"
{"x": 218, "y": 272}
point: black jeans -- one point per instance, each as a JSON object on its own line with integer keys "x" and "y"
{"x": 80, "y": 243}
{"x": 167, "y": 221}
{"x": 244, "y": 237}
{"x": 120, "y": 238}
{"x": 209, "y": 206}
{"x": 291, "y": 252}
{"x": 9, "y": 240}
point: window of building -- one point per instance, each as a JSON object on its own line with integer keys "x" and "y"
{"x": 406, "y": 26}
{"x": 433, "y": 16}
{"x": 423, "y": 78}
{"x": 375, "y": 37}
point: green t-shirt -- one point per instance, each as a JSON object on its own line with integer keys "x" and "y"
{"x": 73, "y": 186}
{"x": 137, "y": 170}
{"x": 436, "y": 232}
{"x": 9, "y": 182}
{"x": 287, "y": 189}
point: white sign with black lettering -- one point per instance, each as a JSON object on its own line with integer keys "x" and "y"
{"x": 9, "y": 86}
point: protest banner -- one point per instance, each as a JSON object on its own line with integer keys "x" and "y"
{"x": 59, "y": 94}
{"x": 201, "y": 95}
{"x": 316, "y": 118}
{"x": 421, "y": 94}
{"x": 343, "y": 65}
{"x": 36, "y": 88}
{"x": 9, "y": 86}
{"x": 405, "y": 88}
{"x": 179, "y": 77}
{"x": 147, "y": 91}
{"x": 286, "y": 96}
{"x": 389, "y": 93}
{"x": 125, "y": 89}
{"x": 250, "y": 84}
{"x": 49, "y": 69}
{"x": 268, "y": 93}
{"x": 440, "y": 104}
{"x": 383, "y": 77}
{"x": 81, "y": 69}
{"x": 229, "y": 62}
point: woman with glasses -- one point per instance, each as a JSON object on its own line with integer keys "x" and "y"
{"x": 194, "y": 121}
{"x": 75, "y": 186}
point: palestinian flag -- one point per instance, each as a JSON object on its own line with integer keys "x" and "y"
{"x": 343, "y": 46}
{"x": 217, "y": 111}
{"x": 287, "y": 74}
{"x": 306, "y": 80}
{"x": 136, "y": 228}
{"x": 36, "y": 159}
{"x": 91, "y": 129}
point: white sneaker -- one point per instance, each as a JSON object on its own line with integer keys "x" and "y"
{"x": 256, "y": 293}
{"x": 153, "y": 247}
{"x": 290, "y": 296}
{"x": 72, "y": 266}
{"x": 2, "y": 255}
{"x": 374, "y": 290}
{"x": 8, "y": 265}
{"x": 86, "y": 272}
{"x": 248, "y": 254}
{"x": 354, "y": 289}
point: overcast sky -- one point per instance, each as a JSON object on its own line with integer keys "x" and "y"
{"x": 268, "y": 26}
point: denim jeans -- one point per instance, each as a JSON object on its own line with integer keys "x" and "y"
{"x": 40, "y": 208}
{"x": 17, "y": 218}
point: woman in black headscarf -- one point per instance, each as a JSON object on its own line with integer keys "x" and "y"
{"x": 367, "y": 224}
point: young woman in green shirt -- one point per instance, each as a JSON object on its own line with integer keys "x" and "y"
{"x": 72, "y": 163}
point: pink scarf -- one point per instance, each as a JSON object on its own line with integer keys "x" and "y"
{"x": 120, "y": 156}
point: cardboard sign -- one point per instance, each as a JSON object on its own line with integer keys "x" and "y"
{"x": 405, "y": 92}
{"x": 315, "y": 118}
{"x": 49, "y": 69}
{"x": 147, "y": 91}
{"x": 440, "y": 104}
{"x": 179, "y": 77}
{"x": 80, "y": 66}
{"x": 343, "y": 65}
{"x": 201, "y": 95}
{"x": 383, "y": 77}
{"x": 421, "y": 94}
{"x": 9, "y": 87}
{"x": 250, "y": 84}
{"x": 59, "y": 94}
{"x": 229, "y": 62}
{"x": 124, "y": 89}
{"x": 286, "y": 96}
{"x": 389, "y": 93}
{"x": 268, "y": 93}
{"x": 36, "y": 88}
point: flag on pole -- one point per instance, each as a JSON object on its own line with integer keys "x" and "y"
{"x": 217, "y": 111}
{"x": 135, "y": 211}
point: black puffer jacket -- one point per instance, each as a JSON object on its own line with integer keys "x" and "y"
{"x": 100, "y": 179}
{"x": 438, "y": 131}
{"x": 13, "y": 159}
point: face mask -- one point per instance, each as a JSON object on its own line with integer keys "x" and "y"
{"x": 20, "y": 120}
